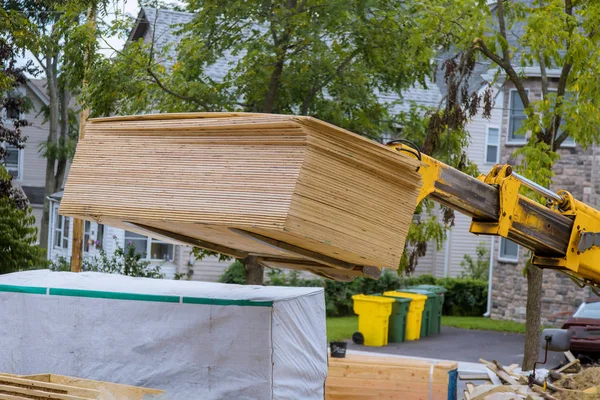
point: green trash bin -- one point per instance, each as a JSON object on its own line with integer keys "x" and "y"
{"x": 431, "y": 309}
{"x": 397, "y": 325}
{"x": 436, "y": 319}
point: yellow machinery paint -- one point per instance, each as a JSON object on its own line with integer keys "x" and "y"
{"x": 563, "y": 234}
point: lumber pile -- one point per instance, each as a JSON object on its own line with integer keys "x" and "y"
{"x": 569, "y": 382}
{"x": 295, "y": 191}
{"x": 373, "y": 377}
{"x": 59, "y": 387}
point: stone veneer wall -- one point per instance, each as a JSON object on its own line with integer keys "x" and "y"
{"x": 577, "y": 171}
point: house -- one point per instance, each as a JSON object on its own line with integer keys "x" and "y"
{"x": 27, "y": 166}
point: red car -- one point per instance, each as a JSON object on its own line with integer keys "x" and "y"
{"x": 585, "y": 326}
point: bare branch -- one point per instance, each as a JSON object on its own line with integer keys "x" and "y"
{"x": 507, "y": 67}
{"x": 502, "y": 26}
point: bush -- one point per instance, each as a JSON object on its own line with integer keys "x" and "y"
{"x": 235, "y": 273}
{"x": 122, "y": 261}
{"x": 465, "y": 296}
{"x": 479, "y": 268}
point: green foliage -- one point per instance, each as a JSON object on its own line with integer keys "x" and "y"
{"x": 476, "y": 269}
{"x": 123, "y": 262}
{"x": 235, "y": 273}
{"x": 465, "y": 296}
{"x": 18, "y": 237}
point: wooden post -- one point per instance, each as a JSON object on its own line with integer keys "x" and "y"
{"x": 78, "y": 224}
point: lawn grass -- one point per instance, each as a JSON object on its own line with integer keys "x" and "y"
{"x": 342, "y": 328}
{"x": 484, "y": 324}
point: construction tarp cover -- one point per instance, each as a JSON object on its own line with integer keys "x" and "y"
{"x": 195, "y": 340}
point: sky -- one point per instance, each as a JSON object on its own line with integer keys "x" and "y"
{"x": 129, "y": 8}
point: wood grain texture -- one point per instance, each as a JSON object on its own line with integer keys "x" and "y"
{"x": 295, "y": 180}
{"x": 372, "y": 377}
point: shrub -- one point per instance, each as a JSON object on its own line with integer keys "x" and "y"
{"x": 465, "y": 296}
{"x": 235, "y": 273}
{"x": 122, "y": 261}
{"x": 476, "y": 269}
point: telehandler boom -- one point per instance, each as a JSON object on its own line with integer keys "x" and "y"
{"x": 564, "y": 234}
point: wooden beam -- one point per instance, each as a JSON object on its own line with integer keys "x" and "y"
{"x": 311, "y": 255}
{"x": 187, "y": 240}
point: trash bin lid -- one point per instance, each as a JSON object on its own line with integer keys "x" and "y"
{"x": 424, "y": 292}
{"x": 431, "y": 288}
{"x": 372, "y": 299}
{"x": 396, "y": 299}
{"x": 412, "y": 296}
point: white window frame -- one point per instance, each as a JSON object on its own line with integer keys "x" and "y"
{"x": 60, "y": 231}
{"x": 20, "y": 159}
{"x": 504, "y": 258}
{"x": 510, "y": 141}
{"x": 487, "y": 143}
{"x": 149, "y": 242}
{"x": 564, "y": 144}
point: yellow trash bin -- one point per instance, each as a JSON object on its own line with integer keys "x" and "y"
{"x": 373, "y": 318}
{"x": 415, "y": 312}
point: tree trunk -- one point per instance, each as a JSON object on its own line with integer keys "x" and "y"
{"x": 254, "y": 271}
{"x": 271, "y": 96}
{"x": 53, "y": 127}
{"x": 534, "y": 309}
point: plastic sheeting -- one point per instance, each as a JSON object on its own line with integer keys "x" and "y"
{"x": 195, "y": 340}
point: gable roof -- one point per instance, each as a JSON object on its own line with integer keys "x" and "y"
{"x": 38, "y": 87}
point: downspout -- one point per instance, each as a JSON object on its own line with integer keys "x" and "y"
{"x": 50, "y": 227}
{"x": 447, "y": 253}
{"x": 490, "y": 275}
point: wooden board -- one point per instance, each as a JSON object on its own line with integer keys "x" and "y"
{"x": 105, "y": 390}
{"x": 372, "y": 377}
{"x": 208, "y": 178}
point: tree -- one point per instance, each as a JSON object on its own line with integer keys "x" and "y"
{"x": 478, "y": 268}
{"x": 328, "y": 59}
{"x": 560, "y": 42}
{"x": 54, "y": 33}
{"x": 18, "y": 235}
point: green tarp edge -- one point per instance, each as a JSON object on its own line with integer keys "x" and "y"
{"x": 97, "y": 294}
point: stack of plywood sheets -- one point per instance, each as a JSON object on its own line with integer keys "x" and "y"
{"x": 359, "y": 377}
{"x": 294, "y": 191}
{"x": 50, "y": 386}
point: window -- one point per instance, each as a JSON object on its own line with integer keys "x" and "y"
{"x": 62, "y": 225}
{"x": 492, "y": 145}
{"x": 516, "y": 117}
{"x": 87, "y": 230}
{"x": 569, "y": 141}
{"x": 11, "y": 105}
{"x": 152, "y": 249}
{"x": 99, "y": 236}
{"x": 509, "y": 250}
{"x": 13, "y": 161}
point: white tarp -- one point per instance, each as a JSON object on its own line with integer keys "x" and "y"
{"x": 195, "y": 340}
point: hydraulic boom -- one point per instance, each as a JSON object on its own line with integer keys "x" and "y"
{"x": 564, "y": 234}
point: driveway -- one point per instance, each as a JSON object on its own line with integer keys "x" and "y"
{"x": 464, "y": 345}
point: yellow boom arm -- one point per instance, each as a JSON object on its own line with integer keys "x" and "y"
{"x": 564, "y": 234}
